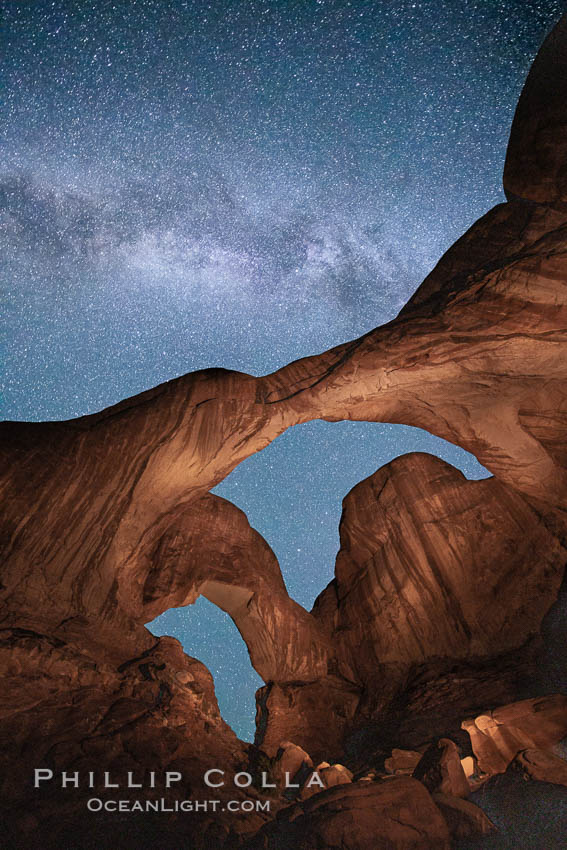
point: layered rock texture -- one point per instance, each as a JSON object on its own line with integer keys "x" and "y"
{"x": 426, "y": 558}
{"x": 67, "y": 708}
{"x": 440, "y": 587}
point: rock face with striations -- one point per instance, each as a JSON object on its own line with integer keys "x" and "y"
{"x": 66, "y": 707}
{"x": 417, "y": 576}
{"x": 441, "y": 584}
{"x": 426, "y": 558}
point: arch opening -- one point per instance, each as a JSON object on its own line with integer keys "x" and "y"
{"x": 291, "y": 492}
{"x": 209, "y": 634}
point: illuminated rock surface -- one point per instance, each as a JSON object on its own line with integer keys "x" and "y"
{"x": 441, "y": 584}
{"x": 533, "y": 724}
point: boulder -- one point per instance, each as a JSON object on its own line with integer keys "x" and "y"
{"x": 541, "y": 765}
{"x": 290, "y": 762}
{"x": 498, "y": 736}
{"x": 441, "y": 771}
{"x": 402, "y": 762}
{"x": 463, "y": 818}
{"x": 398, "y": 813}
{"x": 336, "y": 774}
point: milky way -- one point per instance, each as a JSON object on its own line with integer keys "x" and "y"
{"x": 239, "y": 184}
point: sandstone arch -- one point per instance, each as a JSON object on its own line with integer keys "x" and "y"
{"x": 92, "y": 506}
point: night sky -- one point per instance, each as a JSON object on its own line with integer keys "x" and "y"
{"x": 239, "y": 184}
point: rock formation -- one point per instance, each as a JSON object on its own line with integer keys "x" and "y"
{"x": 498, "y": 737}
{"x": 537, "y": 151}
{"x": 463, "y": 818}
{"x": 291, "y": 761}
{"x": 441, "y": 584}
{"x": 396, "y": 813}
{"x": 441, "y": 771}
{"x": 541, "y": 765}
{"x": 402, "y": 762}
{"x": 425, "y": 559}
{"x": 65, "y": 708}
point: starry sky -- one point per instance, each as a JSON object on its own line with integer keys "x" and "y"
{"x": 239, "y": 184}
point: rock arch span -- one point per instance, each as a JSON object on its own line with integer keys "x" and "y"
{"x": 94, "y": 505}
